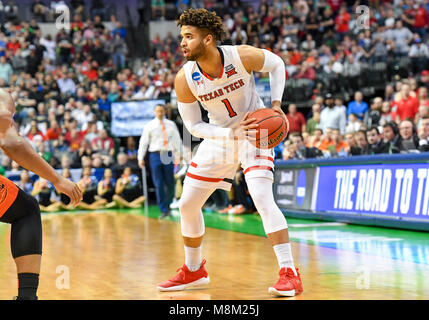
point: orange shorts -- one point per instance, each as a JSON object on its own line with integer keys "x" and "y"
{"x": 8, "y": 194}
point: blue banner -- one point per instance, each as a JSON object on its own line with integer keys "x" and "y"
{"x": 390, "y": 190}
{"x": 129, "y": 118}
{"x": 263, "y": 90}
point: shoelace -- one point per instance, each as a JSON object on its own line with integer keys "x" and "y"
{"x": 181, "y": 275}
{"x": 288, "y": 273}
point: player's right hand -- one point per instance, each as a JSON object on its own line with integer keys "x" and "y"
{"x": 247, "y": 129}
{"x": 141, "y": 163}
{"x": 70, "y": 189}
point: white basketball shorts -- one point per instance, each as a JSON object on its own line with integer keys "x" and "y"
{"x": 216, "y": 162}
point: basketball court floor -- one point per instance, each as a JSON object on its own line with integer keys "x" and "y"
{"x": 124, "y": 254}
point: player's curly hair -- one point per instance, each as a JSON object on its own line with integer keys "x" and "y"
{"x": 203, "y": 19}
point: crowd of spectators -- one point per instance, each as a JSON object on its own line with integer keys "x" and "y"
{"x": 64, "y": 83}
{"x": 340, "y": 54}
{"x": 399, "y": 124}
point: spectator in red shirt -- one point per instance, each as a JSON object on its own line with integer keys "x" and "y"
{"x": 77, "y": 24}
{"x": 335, "y": 4}
{"x": 74, "y": 137}
{"x": 296, "y": 119}
{"x": 306, "y": 72}
{"x": 54, "y": 131}
{"x": 295, "y": 57}
{"x": 92, "y": 73}
{"x": 418, "y": 18}
{"x": 406, "y": 106}
{"x": 13, "y": 45}
{"x": 270, "y": 16}
{"x": 103, "y": 143}
{"x": 342, "y": 21}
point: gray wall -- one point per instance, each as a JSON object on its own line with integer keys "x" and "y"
{"x": 162, "y": 28}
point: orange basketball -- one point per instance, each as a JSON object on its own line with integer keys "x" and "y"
{"x": 272, "y": 128}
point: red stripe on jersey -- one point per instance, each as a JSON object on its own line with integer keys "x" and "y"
{"x": 207, "y": 76}
{"x": 210, "y": 78}
{"x": 257, "y": 168}
{"x": 265, "y": 157}
{"x": 221, "y": 72}
{"x": 194, "y": 176}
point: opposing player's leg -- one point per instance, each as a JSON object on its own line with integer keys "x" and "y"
{"x": 26, "y": 243}
{"x": 193, "y": 272}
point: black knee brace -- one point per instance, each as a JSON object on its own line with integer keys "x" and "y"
{"x": 24, "y": 216}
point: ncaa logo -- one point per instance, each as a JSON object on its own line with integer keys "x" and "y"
{"x": 196, "y": 76}
{"x": 300, "y": 188}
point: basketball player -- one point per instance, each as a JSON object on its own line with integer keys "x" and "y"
{"x": 221, "y": 79}
{"x": 22, "y": 210}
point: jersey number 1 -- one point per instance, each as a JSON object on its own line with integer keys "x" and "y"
{"x": 228, "y": 106}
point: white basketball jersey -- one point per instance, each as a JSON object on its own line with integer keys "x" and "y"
{"x": 228, "y": 97}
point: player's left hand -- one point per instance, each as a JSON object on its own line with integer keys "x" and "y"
{"x": 277, "y": 107}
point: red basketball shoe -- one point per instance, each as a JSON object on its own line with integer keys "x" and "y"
{"x": 289, "y": 284}
{"x": 186, "y": 278}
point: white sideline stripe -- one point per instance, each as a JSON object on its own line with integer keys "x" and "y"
{"x": 312, "y": 225}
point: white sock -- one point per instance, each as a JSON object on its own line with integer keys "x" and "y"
{"x": 284, "y": 256}
{"x": 193, "y": 258}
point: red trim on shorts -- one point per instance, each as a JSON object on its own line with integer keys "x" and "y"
{"x": 257, "y": 168}
{"x": 194, "y": 176}
{"x": 193, "y": 164}
{"x": 265, "y": 157}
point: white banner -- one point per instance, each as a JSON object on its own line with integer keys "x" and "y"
{"x": 129, "y": 118}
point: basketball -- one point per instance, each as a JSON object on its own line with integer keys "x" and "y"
{"x": 272, "y": 128}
